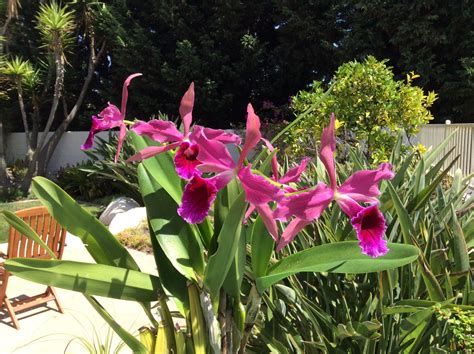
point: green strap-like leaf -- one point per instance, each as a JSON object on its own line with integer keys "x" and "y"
{"x": 220, "y": 262}
{"x": 161, "y": 167}
{"x": 174, "y": 235}
{"x": 98, "y": 240}
{"x": 128, "y": 338}
{"x": 339, "y": 257}
{"x": 88, "y": 278}
{"x": 262, "y": 248}
{"x": 26, "y": 230}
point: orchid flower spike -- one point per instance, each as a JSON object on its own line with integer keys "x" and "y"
{"x": 111, "y": 117}
{"x": 200, "y": 193}
{"x": 165, "y": 132}
{"x": 361, "y": 187}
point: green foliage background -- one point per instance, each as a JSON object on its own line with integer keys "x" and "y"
{"x": 238, "y": 52}
{"x": 371, "y": 106}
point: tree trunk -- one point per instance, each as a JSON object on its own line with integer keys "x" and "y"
{"x": 45, "y": 149}
{"x": 58, "y": 86}
{"x": 4, "y": 180}
{"x": 57, "y": 135}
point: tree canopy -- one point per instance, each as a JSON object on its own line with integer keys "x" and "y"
{"x": 258, "y": 51}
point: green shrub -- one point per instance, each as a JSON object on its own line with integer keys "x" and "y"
{"x": 78, "y": 183}
{"x": 100, "y": 176}
{"x": 370, "y": 105}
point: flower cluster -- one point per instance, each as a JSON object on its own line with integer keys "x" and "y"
{"x": 202, "y": 159}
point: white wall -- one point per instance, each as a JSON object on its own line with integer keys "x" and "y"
{"x": 68, "y": 151}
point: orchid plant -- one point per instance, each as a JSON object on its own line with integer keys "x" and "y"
{"x": 209, "y": 212}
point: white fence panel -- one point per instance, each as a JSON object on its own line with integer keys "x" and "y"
{"x": 67, "y": 153}
{"x": 463, "y": 142}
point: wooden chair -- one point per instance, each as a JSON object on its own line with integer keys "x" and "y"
{"x": 53, "y": 235}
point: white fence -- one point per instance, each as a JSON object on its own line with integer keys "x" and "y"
{"x": 69, "y": 153}
{"x": 463, "y": 142}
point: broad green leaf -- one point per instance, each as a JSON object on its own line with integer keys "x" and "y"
{"x": 262, "y": 248}
{"x": 220, "y": 262}
{"x": 339, "y": 257}
{"x": 174, "y": 235}
{"x": 98, "y": 240}
{"x": 233, "y": 281}
{"x": 161, "y": 167}
{"x": 224, "y": 200}
{"x": 26, "y": 230}
{"x": 88, "y": 278}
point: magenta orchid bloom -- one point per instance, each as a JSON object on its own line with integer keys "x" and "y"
{"x": 200, "y": 192}
{"x": 361, "y": 187}
{"x": 305, "y": 205}
{"x": 111, "y": 117}
{"x": 291, "y": 176}
{"x": 186, "y": 158}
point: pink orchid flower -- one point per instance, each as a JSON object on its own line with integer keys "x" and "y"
{"x": 291, "y": 176}
{"x": 361, "y": 187}
{"x": 200, "y": 193}
{"x": 111, "y": 117}
{"x": 186, "y": 158}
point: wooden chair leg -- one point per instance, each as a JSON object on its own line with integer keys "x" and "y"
{"x": 56, "y": 300}
{"x": 11, "y": 312}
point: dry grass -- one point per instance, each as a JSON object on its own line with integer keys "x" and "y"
{"x": 137, "y": 238}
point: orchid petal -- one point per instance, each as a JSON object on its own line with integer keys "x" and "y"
{"x": 222, "y": 136}
{"x": 257, "y": 189}
{"x": 249, "y": 212}
{"x": 265, "y": 213}
{"x": 274, "y": 159}
{"x": 198, "y": 196}
{"x": 362, "y": 186}
{"x": 125, "y": 93}
{"x": 111, "y": 115}
{"x": 294, "y": 174}
{"x": 152, "y": 151}
{"x": 291, "y": 231}
{"x": 213, "y": 155}
{"x": 252, "y": 134}
{"x": 326, "y": 153}
{"x": 370, "y": 226}
{"x": 186, "y": 108}
{"x": 307, "y": 205}
{"x": 121, "y": 138}
{"x": 158, "y": 130}
{"x": 185, "y": 160}
{"x": 347, "y": 204}
{"x": 223, "y": 179}
{"x": 98, "y": 125}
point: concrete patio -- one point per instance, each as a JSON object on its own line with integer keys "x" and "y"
{"x": 45, "y": 330}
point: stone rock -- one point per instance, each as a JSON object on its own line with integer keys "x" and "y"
{"x": 115, "y": 207}
{"x": 129, "y": 219}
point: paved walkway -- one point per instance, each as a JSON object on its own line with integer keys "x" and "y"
{"x": 45, "y": 330}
